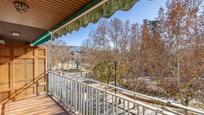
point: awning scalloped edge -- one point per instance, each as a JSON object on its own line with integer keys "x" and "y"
{"x": 106, "y": 10}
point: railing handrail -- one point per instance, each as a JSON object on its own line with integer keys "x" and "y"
{"x": 152, "y": 98}
{"x": 134, "y": 93}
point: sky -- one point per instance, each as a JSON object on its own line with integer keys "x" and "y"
{"x": 143, "y": 9}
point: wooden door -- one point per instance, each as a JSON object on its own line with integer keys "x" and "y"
{"x": 22, "y": 72}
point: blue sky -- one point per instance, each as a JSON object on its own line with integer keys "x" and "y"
{"x": 144, "y": 9}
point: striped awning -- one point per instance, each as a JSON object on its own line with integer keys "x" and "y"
{"x": 90, "y": 13}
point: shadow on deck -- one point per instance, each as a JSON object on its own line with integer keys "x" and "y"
{"x": 41, "y": 105}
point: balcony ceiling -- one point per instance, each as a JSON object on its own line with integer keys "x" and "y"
{"x": 41, "y": 13}
{"x": 40, "y": 17}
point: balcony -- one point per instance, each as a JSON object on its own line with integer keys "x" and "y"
{"x": 69, "y": 95}
{"x": 26, "y": 88}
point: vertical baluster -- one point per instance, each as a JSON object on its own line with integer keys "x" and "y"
{"x": 116, "y": 105}
{"x": 78, "y": 97}
{"x": 48, "y": 82}
{"x": 87, "y": 100}
{"x": 83, "y": 99}
{"x": 53, "y": 83}
{"x": 68, "y": 92}
{"x": 58, "y": 87}
{"x": 99, "y": 101}
{"x": 92, "y": 100}
{"x": 129, "y": 108}
{"x": 138, "y": 109}
{"x": 107, "y": 112}
{"x": 63, "y": 90}
{"x": 113, "y": 110}
{"x": 53, "y": 78}
{"x": 74, "y": 95}
{"x": 156, "y": 113}
{"x": 70, "y": 81}
{"x": 96, "y": 102}
{"x": 71, "y": 92}
{"x": 104, "y": 105}
{"x": 124, "y": 107}
{"x": 57, "y": 90}
{"x": 76, "y": 92}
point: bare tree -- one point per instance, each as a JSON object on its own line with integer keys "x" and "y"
{"x": 58, "y": 53}
{"x": 181, "y": 30}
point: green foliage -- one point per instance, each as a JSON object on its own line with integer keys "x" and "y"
{"x": 103, "y": 71}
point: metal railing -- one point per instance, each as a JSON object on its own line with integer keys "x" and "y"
{"x": 181, "y": 109}
{"x": 86, "y": 99}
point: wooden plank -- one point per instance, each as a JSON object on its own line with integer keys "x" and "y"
{"x": 12, "y": 71}
{"x": 41, "y": 105}
{"x": 36, "y": 71}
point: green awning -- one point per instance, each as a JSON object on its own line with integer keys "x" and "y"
{"x": 42, "y": 39}
{"x": 105, "y": 9}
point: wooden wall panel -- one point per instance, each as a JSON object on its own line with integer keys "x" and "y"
{"x": 41, "y": 52}
{"x": 19, "y": 51}
{"x": 22, "y": 72}
{"x": 41, "y": 71}
{"x": 4, "y": 73}
{"x": 19, "y": 73}
{"x": 29, "y": 52}
{"x": 4, "y": 95}
{"x": 29, "y": 77}
{"x": 19, "y": 81}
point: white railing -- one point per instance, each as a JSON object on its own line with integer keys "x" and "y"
{"x": 86, "y": 99}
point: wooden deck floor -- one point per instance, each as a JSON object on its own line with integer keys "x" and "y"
{"x": 41, "y": 105}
